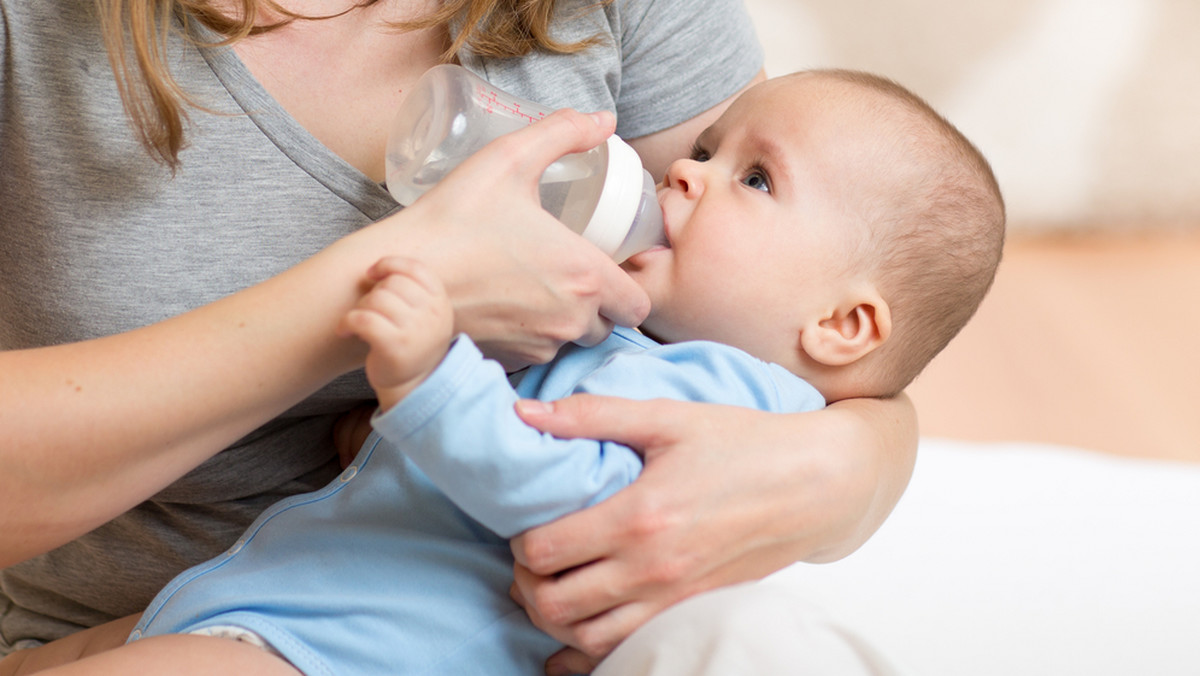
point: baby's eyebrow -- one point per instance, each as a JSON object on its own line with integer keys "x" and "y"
{"x": 703, "y": 137}
{"x": 768, "y": 145}
{"x": 776, "y": 155}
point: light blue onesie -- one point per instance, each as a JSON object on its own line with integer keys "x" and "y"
{"x": 401, "y": 566}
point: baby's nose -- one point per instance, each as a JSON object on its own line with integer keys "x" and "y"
{"x": 684, "y": 175}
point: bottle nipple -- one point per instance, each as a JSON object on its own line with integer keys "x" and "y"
{"x": 647, "y": 229}
{"x": 627, "y": 218}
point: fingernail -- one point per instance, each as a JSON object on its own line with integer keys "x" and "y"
{"x": 534, "y": 407}
{"x": 600, "y": 117}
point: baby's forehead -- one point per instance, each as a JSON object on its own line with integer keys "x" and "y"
{"x": 837, "y": 111}
{"x": 826, "y": 84}
{"x": 809, "y": 99}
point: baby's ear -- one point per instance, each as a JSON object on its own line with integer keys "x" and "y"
{"x": 849, "y": 331}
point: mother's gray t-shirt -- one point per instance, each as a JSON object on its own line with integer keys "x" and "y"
{"x": 96, "y": 238}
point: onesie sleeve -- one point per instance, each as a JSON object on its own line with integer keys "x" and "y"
{"x": 459, "y": 427}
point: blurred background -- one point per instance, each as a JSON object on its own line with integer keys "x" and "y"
{"x": 1089, "y": 113}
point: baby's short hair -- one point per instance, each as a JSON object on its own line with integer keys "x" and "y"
{"x": 934, "y": 235}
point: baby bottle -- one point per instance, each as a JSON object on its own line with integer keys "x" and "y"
{"x": 603, "y": 194}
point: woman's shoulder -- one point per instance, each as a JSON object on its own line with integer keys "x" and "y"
{"x": 646, "y": 64}
{"x": 46, "y": 19}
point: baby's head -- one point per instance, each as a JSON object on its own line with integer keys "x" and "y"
{"x": 831, "y": 222}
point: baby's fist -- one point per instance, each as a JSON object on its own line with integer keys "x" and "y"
{"x": 408, "y": 322}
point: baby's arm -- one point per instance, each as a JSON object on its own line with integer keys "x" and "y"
{"x": 68, "y": 649}
{"x": 461, "y": 428}
{"x": 407, "y": 320}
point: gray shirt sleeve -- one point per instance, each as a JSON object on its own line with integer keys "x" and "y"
{"x": 681, "y": 58}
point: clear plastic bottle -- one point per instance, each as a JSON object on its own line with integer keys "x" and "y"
{"x": 604, "y": 194}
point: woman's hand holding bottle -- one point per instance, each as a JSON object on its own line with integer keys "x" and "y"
{"x": 521, "y": 284}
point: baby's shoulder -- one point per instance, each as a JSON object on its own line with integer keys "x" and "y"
{"x": 700, "y": 371}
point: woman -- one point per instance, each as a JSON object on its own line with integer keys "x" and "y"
{"x": 170, "y": 290}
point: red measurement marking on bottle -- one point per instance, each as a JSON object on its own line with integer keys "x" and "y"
{"x": 493, "y": 103}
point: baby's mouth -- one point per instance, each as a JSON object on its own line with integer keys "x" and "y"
{"x": 665, "y": 240}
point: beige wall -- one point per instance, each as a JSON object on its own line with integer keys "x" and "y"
{"x": 1088, "y": 109}
{"x": 1090, "y": 113}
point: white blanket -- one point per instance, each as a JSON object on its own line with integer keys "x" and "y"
{"x": 1027, "y": 559}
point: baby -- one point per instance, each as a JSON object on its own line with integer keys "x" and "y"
{"x": 829, "y": 235}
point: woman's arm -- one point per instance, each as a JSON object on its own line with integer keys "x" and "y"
{"x": 92, "y": 428}
{"x": 727, "y": 495}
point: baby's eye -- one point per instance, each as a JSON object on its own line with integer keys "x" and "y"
{"x": 757, "y": 179}
{"x": 699, "y": 154}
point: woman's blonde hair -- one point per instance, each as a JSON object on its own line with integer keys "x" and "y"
{"x": 136, "y": 33}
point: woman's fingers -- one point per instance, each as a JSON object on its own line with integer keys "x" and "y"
{"x": 562, "y": 601}
{"x": 521, "y": 283}
{"x": 591, "y": 578}
{"x": 641, "y": 425}
{"x": 569, "y": 542}
{"x": 529, "y": 151}
{"x": 622, "y": 302}
{"x": 594, "y": 635}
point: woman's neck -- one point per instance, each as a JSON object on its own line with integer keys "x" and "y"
{"x": 342, "y": 78}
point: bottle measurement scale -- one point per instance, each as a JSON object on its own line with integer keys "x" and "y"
{"x": 491, "y": 101}
{"x": 603, "y": 193}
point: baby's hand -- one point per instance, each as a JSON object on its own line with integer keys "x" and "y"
{"x": 407, "y": 320}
